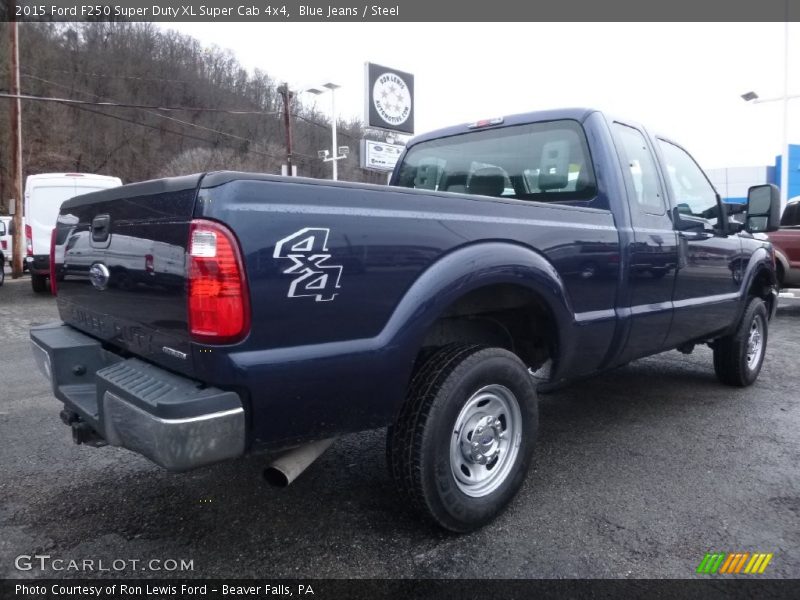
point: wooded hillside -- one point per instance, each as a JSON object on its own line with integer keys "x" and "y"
{"x": 143, "y": 64}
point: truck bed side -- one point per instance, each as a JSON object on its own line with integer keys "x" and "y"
{"x": 386, "y": 264}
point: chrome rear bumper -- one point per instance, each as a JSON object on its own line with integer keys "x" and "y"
{"x": 172, "y": 420}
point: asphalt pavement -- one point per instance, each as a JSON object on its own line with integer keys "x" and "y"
{"x": 637, "y": 473}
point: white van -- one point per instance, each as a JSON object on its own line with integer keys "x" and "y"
{"x": 44, "y": 195}
{"x": 5, "y": 246}
{"x": 7, "y": 242}
{"x": 5, "y": 237}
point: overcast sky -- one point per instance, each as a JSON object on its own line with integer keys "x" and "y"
{"x": 683, "y": 80}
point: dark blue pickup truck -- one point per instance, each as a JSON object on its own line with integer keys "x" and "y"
{"x": 209, "y": 316}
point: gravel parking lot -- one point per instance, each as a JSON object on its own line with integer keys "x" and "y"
{"x": 638, "y": 473}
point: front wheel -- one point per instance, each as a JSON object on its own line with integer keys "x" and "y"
{"x": 462, "y": 444}
{"x": 738, "y": 357}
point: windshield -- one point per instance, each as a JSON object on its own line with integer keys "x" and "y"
{"x": 537, "y": 161}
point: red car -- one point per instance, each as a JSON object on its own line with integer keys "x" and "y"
{"x": 787, "y": 245}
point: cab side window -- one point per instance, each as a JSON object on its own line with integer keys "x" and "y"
{"x": 693, "y": 194}
{"x": 643, "y": 171}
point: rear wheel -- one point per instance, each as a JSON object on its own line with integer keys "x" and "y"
{"x": 2, "y": 270}
{"x": 39, "y": 283}
{"x": 462, "y": 444}
{"x": 738, "y": 357}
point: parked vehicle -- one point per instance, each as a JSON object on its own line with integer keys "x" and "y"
{"x": 311, "y": 309}
{"x": 787, "y": 245}
{"x": 5, "y": 248}
{"x": 7, "y": 243}
{"x": 43, "y": 196}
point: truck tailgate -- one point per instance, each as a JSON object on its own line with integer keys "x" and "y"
{"x": 119, "y": 261}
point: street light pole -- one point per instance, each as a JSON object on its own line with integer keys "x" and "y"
{"x": 334, "y": 155}
{"x": 753, "y": 97}
{"x": 286, "y": 94}
{"x": 785, "y": 145}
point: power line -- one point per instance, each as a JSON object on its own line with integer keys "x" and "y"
{"x": 148, "y": 110}
{"x": 148, "y": 126}
{"x": 169, "y": 131}
{"x": 324, "y": 126}
{"x": 155, "y": 114}
{"x": 127, "y": 105}
{"x": 171, "y": 108}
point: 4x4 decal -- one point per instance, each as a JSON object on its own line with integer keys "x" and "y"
{"x": 308, "y": 251}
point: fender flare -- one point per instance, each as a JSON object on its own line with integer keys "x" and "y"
{"x": 469, "y": 268}
{"x": 760, "y": 261}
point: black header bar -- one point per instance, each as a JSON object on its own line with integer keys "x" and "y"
{"x": 710, "y": 588}
{"x": 277, "y": 11}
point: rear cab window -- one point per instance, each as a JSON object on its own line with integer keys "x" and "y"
{"x": 545, "y": 162}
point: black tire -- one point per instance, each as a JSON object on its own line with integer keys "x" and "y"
{"x": 734, "y": 363}
{"x": 2, "y": 270}
{"x": 39, "y": 283}
{"x": 420, "y": 444}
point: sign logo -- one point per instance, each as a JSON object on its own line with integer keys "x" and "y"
{"x": 99, "y": 276}
{"x": 732, "y": 563}
{"x": 388, "y": 99}
{"x": 392, "y": 99}
{"x": 308, "y": 251}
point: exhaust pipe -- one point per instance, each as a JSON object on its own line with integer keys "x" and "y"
{"x": 287, "y": 467}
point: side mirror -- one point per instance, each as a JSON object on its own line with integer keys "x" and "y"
{"x": 763, "y": 208}
{"x": 688, "y": 222}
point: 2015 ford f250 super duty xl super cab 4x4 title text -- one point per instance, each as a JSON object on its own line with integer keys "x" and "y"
{"x": 213, "y": 315}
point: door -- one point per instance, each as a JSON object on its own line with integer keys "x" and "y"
{"x": 653, "y": 250}
{"x": 706, "y": 295}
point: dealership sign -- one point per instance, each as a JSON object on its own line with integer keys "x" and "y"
{"x": 389, "y": 99}
{"x": 379, "y": 156}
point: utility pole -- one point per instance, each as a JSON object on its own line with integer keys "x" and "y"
{"x": 334, "y": 147}
{"x": 287, "y": 95}
{"x": 17, "y": 243}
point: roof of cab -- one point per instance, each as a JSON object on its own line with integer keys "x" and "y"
{"x": 575, "y": 114}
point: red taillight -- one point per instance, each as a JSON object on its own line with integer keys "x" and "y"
{"x": 149, "y": 265}
{"x": 28, "y": 240}
{"x": 219, "y": 308}
{"x": 53, "y": 282}
{"x": 4, "y": 244}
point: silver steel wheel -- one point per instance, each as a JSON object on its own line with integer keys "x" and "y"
{"x": 486, "y": 439}
{"x": 755, "y": 343}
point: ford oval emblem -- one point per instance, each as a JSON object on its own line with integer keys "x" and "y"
{"x": 99, "y": 275}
